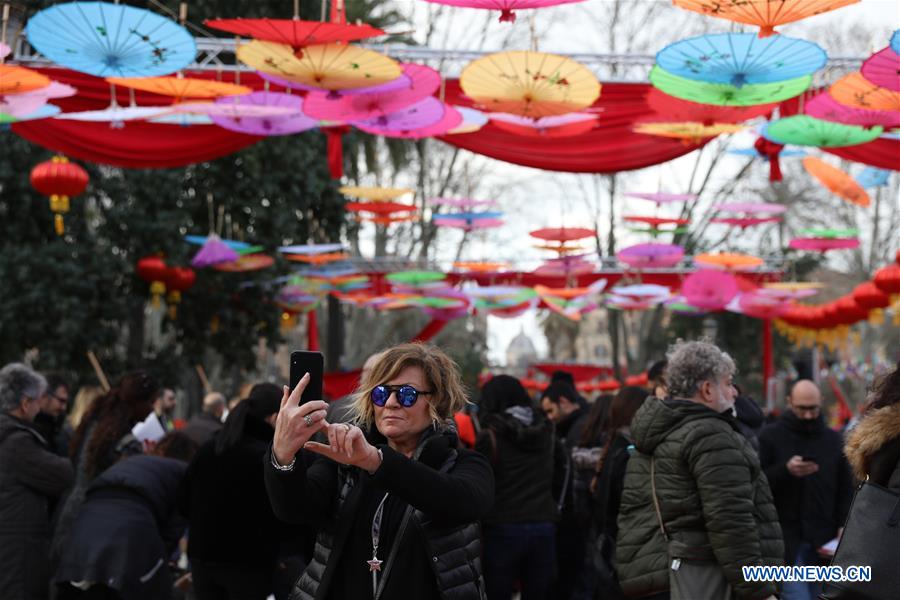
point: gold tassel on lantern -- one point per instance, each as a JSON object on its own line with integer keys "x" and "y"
{"x": 876, "y": 317}
{"x": 157, "y": 289}
{"x": 288, "y": 321}
{"x": 60, "y": 206}
{"x": 173, "y": 299}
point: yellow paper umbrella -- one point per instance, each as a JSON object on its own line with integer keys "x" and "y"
{"x": 856, "y": 91}
{"x": 181, "y": 87}
{"x": 728, "y": 261}
{"x": 16, "y": 80}
{"x": 688, "y": 131}
{"x": 766, "y": 14}
{"x": 324, "y": 66}
{"x": 374, "y": 194}
{"x": 793, "y": 286}
{"x": 836, "y": 181}
{"x": 531, "y": 84}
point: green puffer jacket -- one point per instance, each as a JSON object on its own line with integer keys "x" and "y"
{"x": 714, "y": 498}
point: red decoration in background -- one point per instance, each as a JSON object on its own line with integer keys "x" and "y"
{"x": 578, "y": 372}
{"x": 770, "y": 150}
{"x": 887, "y": 279}
{"x": 340, "y": 384}
{"x": 60, "y": 180}
{"x": 670, "y": 108}
{"x": 178, "y": 280}
{"x": 869, "y": 296}
{"x": 335, "y": 149}
{"x": 152, "y": 268}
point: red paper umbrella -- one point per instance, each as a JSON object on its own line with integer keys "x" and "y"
{"x": 823, "y": 244}
{"x": 657, "y": 221}
{"x": 710, "y": 290}
{"x": 563, "y": 234}
{"x": 294, "y": 32}
{"x": 379, "y": 208}
{"x": 670, "y": 108}
{"x": 248, "y": 262}
{"x": 745, "y": 222}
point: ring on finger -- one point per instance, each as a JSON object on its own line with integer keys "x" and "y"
{"x": 308, "y": 420}
{"x": 347, "y": 426}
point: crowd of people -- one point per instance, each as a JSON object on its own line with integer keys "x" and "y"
{"x": 410, "y": 488}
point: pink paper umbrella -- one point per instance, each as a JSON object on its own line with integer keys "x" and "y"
{"x": 557, "y": 269}
{"x": 399, "y": 83}
{"x": 214, "y": 252}
{"x": 468, "y": 225}
{"x": 423, "y": 82}
{"x": 506, "y": 7}
{"x": 651, "y": 255}
{"x": 295, "y": 122}
{"x": 463, "y": 203}
{"x": 473, "y": 120}
{"x": 761, "y": 306}
{"x": 662, "y": 197}
{"x": 752, "y": 208}
{"x": 745, "y": 222}
{"x": 19, "y": 105}
{"x": 424, "y": 113}
{"x": 825, "y": 107}
{"x": 823, "y": 244}
{"x": 710, "y": 290}
{"x": 450, "y": 119}
{"x": 883, "y": 69}
{"x": 4, "y": 50}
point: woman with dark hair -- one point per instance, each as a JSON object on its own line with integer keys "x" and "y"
{"x": 127, "y": 528}
{"x": 103, "y": 438}
{"x": 607, "y": 486}
{"x": 234, "y": 536}
{"x": 519, "y": 531}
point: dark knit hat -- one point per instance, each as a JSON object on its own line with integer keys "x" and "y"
{"x": 264, "y": 400}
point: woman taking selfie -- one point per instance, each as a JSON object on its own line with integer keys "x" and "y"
{"x": 395, "y": 501}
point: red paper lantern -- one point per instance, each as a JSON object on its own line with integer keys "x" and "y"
{"x": 153, "y": 270}
{"x": 849, "y": 312}
{"x": 869, "y": 296}
{"x": 888, "y": 279}
{"x": 60, "y": 180}
{"x": 178, "y": 280}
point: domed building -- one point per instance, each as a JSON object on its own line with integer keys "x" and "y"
{"x": 520, "y": 353}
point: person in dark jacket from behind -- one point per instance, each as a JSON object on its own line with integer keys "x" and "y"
{"x": 520, "y": 530}
{"x": 31, "y": 476}
{"x": 204, "y": 425}
{"x": 234, "y": 536}
{"x": 750, "y": 417}
{"x": 810, "y": 478}
{"x": 607, "y": 487}
{"x": 127, "y": 528}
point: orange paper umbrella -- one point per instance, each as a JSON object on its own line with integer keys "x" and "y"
{"x": 564, "y": 293}
{"x": 324, "y": 66}
{"x": 836, "y": 181}
{"x": 317, "y": 259}
{"x": 857, "y": 91}
{"x": 530, "y": 84}
{"x": 480, "y": 267}
{"x": 387, "y": 220}
{"x": 181, "y": 88}
{"x": 16, "y": 80}
{"x": 563, "y": 234}
{"x": 561, "y": 248}
{"x": 249, "y": 262}
{"x": 374, "y": 194}
{"x": 766, "y": 14}
{"x": 656, "y": 221}
{"x": 688, "y": 131}
{"x": 729, "y": 261}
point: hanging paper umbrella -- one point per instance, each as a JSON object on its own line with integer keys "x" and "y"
{"x": 829, "y": 233}
{"x": 244, "y": 264}
{"x": 804, "y": 130}
{"x": 753, "y": 152}
{"x": 467, "y": 224}
{"x": 284, "y": 124}
{"x": 381, "y": 208}
{"x": 423, "y": 82}
{"x": 461, "y": 203}
{"x": 236, "y": 245}
{"x": 183, "y": 119}
{"x": 823, "y": 244}
{"x": 506, "y": 7}
{"x": 745, "y": 222}
{"x": 689, "y": 132}
{"x": 752, "y": 208}
{"x": 662, "y": 197}
{"x": 872, "y": 177}
{"x": 656, "y": 222}
{"x": 792, "y": 287}
{"x": 759, "y": 306}
{"x": 45, "y": 112}
{"x": 324, "y": 67}
{"x": 765, "y": 14}
{"x": 642, "y": 291}
{"x": 374, "y": 194}
{"x": 310, "y": 248}
{"x": 563, "y": 234}
{"x": 450, "y": 120}
{"x": 415, "y": 278}
{"x": 710, "y": 290}
{"x": 480, "y": 267}
{"x": 16, "y": 80}
{"x": 318, "y": 259}
{"x": 473, "y": 120}
{"x": 237, "y": 107}
{"x": 836, "y": 181}
{"x": 729, "y": 261}
{"x": 115, "y": 115}
{"x": 856, "y": 91}
{"x": 561, "y": 248}
{"x": 390, "y": 219}
{"x": 418, "y": 115}
{"x": 296, "y": 33}
{"x": 568, "y": 125}
{"x": 723, "y": 94}
{"x": 670, "y": 108}
{"x": 678, "y": 304}
{"x": 213, "y": 252}
{"x": 531, "y": 84}
{"x": 741, "y": 58}
{"x": 895, "y": 41}
{"x": 181, "y": 87}
{"x": 568, "y": 269}
{"x": 883, "y": 69}
{"x": 106, "y": 39}
{"x": 651, "y": 255}
{"x": 4, "y": 50}
{"x": 26, "y": 103}
{"x": 823, "y": 106}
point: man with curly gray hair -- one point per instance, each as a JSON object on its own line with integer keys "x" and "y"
{"x": 696, "y": 506}
{"x": 30, "y": 476}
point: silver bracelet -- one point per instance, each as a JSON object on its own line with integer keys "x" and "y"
{"x": 283, "y": 468}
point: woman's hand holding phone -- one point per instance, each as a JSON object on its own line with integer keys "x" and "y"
{"x": 296, "y": 423}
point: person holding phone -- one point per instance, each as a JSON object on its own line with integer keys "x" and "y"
{"x": 395, "y": 501}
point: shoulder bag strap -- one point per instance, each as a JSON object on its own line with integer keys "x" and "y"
{"x": 394, "y": 547}
{"x": 662, "y": 525}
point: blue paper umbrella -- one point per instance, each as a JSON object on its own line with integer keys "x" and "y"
{"x": 895, "y": 42}
{"x": 872, "y": 177}
{"x": 741, "y": 58}
{"x": 111, "y": 40}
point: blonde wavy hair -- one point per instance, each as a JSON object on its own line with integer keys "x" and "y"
{"x": 441, "y": 375}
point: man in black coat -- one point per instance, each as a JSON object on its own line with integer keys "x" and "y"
{"x": 810, "y": 479}
{"x": 52, "y": 416}
{"x": 204, "y": 425}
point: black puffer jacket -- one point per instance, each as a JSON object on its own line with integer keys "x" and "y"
{"x": 714, "y": 498}
{"x": 521, "y": 454}
{"x": 30, "y": 477}
{"x": 449, "y": 490}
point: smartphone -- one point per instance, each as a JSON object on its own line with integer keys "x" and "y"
{"x": 303, "y": 362}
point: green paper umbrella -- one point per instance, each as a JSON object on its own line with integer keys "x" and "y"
{"x": 804, "y": 130}
{"x": 722, "y": 94}
{"x": 656, "y": 231}
{"x": 829, "y": 233}
{"x": 415, "y": 277}
{"x": 249, "y": 250}
{"x": 436, "y": 302}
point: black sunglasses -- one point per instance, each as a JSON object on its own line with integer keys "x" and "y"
{"x": 406, "y": 394}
